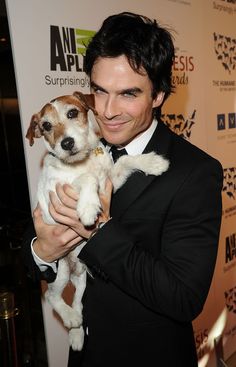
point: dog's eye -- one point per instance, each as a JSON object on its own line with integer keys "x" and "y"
{"x": 47, "y": 126}
{"x": 71, "y": 114}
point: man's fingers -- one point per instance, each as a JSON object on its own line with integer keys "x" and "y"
{"x": 37, "y": 211}
{"x": 67, "y": 195}
{"x": 105, "y": 199}
{"x": 37, "y": 216}
{"x": 109, "y": 186}
{"x": 70, "y": 191}
{"x": 69, "y": 236}
{"x": 61, "y": 213}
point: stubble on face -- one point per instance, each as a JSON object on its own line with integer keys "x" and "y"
{"x": 123, "y": 99}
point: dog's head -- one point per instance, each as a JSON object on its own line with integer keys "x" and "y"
{"x": 63, "y": 123}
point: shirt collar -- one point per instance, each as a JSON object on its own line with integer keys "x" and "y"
{"x": 138, "y": 145}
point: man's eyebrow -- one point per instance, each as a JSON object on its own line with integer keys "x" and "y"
{"x": 133, "y": 90}
{"x": 96, "y": 86}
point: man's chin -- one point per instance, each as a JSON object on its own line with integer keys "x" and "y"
{"x": 113, "y": 140}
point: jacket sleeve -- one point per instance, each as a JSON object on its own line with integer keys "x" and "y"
{"x": 32, "y": 269}
{"x": 176, "y": 282}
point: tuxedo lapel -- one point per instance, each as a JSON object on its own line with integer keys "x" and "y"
{"x": 160, "y": 140}
{"x": 138, "y": 181}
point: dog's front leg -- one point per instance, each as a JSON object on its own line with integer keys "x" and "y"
{"x": 88, "y": 206}
{"x": 149, "y": 163}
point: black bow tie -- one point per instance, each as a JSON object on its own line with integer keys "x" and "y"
{"x": 117, "y": 153}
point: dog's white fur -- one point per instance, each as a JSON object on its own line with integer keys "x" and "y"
{"x": 76, "y": 156}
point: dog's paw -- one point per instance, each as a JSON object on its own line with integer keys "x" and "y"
{"x": 153, "y": 164}
{"x": 88, "y": 213}
{"x": 71, "y": 318}
{"x": 76, "y": 338}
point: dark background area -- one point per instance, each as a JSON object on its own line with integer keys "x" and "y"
{"x": 15, "y": 214}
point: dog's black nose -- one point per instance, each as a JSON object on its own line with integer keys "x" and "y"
{"x": 67, "y": 143}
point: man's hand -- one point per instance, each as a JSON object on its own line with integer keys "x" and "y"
{"x": 53, "y": 241}
{"x": 63, "y": 205}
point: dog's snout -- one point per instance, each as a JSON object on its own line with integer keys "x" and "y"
{"x": 67, "y": 143}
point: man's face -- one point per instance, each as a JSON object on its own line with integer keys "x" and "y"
{"x": 123, "y": 99}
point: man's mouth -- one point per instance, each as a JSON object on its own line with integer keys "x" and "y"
{"x": 114, "y": 125}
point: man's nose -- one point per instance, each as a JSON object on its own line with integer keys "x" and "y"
{"x": 111, "y": 108}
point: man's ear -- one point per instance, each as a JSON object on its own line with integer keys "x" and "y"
{"x": 158, "y": 99}
{"x": 33, "y": 130}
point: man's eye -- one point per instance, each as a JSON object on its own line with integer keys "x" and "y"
{"x": 96, "y": 90}
{"x": 47, "y": 125}
{"x": 71, "y": 114}
{"x": 129, "y": 94}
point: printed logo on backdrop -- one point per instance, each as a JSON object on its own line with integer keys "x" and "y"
{"x": 225, "y": 53}
{"x": 229, "y": 183}
{"x": 225, "y": 49}
{"x": 230, "y": 295}
{"x": 67, "y": 49}
{"x": 229, "y": 192}
{"x": 226, "y": 127}
{"x": 230, "y": 252}
{"x": 226, "y": 6}
{"x": 182, "y": 68}
{"x": 180, "y": 124}
{"x": 201, "y": 339}
{"x": 230, "y": 300}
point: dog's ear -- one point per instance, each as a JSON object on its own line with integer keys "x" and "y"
{"x": 87, "y": 101}
{"x": 33, "y": 130}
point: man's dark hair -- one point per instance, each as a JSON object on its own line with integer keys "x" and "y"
{"x": 145, "y": 44}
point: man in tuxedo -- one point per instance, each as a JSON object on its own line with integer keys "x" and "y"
{"x": 153, "y": 253}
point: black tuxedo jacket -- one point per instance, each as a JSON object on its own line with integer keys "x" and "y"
{"x": 153, "y": 262}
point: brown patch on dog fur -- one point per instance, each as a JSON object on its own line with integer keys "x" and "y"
{"x": 58, "y": 131}
{"x": 83, "y": 102}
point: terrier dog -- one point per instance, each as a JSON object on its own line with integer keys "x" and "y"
{"x": 76, "y": 156}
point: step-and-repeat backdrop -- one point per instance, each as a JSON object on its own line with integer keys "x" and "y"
{"x": 48, "y": 39}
